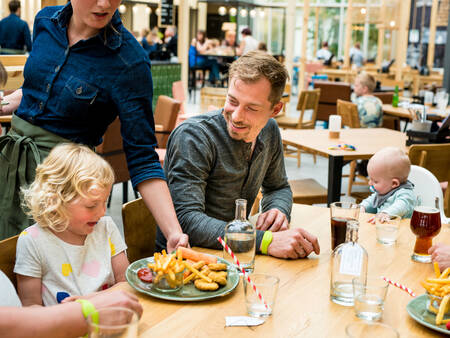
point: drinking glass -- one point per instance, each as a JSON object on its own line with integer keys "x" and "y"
{"x": 425, "y": 224}
{"x": 442, "y": 101}
{"x": 341, "y": 213}
{"x": 362, "y": 329}
{"x": 118, "y": 322}
{"x": 369, "y": 298}
{"x": 267, "y": 285}
{"x": 387, "y": 228}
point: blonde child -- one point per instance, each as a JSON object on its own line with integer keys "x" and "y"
{"x": 393, "y": 194}
{"x": 73, "y": 249}
{"x": 370, "y": 108}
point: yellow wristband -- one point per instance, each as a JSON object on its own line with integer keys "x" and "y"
{"x": 267, "y": 239}
{"x": 88, "y": 309}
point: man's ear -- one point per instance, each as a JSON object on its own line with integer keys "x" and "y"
{"x": 395, "y": 183}
{"x": 276, "y": 109}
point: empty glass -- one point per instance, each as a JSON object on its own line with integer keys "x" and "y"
{"x": 362, "y": 329}
{"x": 387, "y": 228}
{"x": 369, "y": 297}
{"x": 267, "y": 285}
{"x": 118, "y": 322}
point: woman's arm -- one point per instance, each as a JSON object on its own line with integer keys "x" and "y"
{"x": 29, "y": 290}
{"x": 201, "y": 48}
{"x": 14, "y": 102}
{"x": 156, "y": 196}
{"x": 119, "y": 264}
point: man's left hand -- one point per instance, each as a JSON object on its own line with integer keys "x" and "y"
{"x": 273, "y": 220}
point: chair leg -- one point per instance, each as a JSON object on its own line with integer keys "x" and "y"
{"x": 125, "y": 192}
{"x": 351, "y": 177}
{"x": 314, "y": 158}
{"x": 109, "y": 199}
{"x": 298, "y": 158}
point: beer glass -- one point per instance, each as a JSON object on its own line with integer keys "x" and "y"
{"x": 341, "y": 213}
{"x": 425, "y": 224}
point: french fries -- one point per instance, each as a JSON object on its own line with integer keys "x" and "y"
{"x": 439, "y": 293}
{"x": 167, "y": 266}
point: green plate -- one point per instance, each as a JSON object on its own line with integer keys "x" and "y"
{"x": 417, "y": 309}
{"x": 188, "y": 293}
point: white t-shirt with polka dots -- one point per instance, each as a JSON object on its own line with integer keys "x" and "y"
{"x": 67, "y": 269}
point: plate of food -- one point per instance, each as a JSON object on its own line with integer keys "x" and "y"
{"x": 184, "y": 276}
{"x": 432, "y": 309}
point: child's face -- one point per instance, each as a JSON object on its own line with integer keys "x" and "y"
{"x": 84, "y": 213}
{"x": 358, "y": 88}
{"x": 379, "y": 178}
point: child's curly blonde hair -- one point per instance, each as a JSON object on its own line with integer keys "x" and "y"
{"x": 69, "y": 171}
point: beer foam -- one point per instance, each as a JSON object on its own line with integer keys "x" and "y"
{"x": 426, "y": 210}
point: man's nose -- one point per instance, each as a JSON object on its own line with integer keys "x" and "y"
{"x": 238, "y": 114}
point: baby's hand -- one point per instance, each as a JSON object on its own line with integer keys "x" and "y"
{"x": 382, "y": 217}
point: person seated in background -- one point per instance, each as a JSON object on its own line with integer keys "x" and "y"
{"x": 216, "y": 158}
{"x": 392, "y": 194}
{"x": 323, "y": 53}
{"x": 262, "y": 46}
{"x": 197, "y": 58}
{"x": 143, "y": 40}
{"x": 356, "y": 56}
{"x": 370, "y": 108}
{"x": 171, "y": 40}
{"x": 440, "y": 253}
{"x": 248, "y": 42}
{"x": 230, "y": 40}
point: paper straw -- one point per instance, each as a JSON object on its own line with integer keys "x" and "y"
{"x": 246, "y": 276}
{"x": 400, "y": 286}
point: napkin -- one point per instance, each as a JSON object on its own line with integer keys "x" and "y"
{"x": 243, "y": 321}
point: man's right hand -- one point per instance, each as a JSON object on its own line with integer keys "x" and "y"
{"x": 293, "y": 243}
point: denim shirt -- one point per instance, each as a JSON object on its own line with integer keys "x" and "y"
{"x": 14, "y": 33}
{"x": 77, "y": 91}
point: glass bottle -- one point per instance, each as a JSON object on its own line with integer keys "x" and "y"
{"x": 240, "y": 235}
{"x": 348, "y": 261}
{"x": 395, "y": 97}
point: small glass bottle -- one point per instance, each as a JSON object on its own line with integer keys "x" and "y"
{"x": 240, "y": 235}
{"x": 348, "y": 261}
{"x": 395, "y": 97}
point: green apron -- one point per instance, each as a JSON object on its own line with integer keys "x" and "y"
{"x": 21, "y": 150}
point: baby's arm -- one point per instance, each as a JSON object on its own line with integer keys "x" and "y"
{"x": 29, "y": 290}
{"x": 367, "y": 204}
{"x": 403, "y": 205}
{"x": 119, "y": 264}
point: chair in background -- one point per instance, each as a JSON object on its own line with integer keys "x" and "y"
{"x": 435, "y": 158}
{"x": 111, "y": 149}
{"x": 350, "y": 118}
{"x": 286, "y": 98}
{"x": 307, "y": 100}
{"x": 166, "y": 113}
{"x": 330, "y": 93}
{"x": 139, "y": 227}
{"x": 308, "y": 191}
{"x": 427, "y": 187}
{"x": 212, "y": 98}
{"x": 8, "y": 257}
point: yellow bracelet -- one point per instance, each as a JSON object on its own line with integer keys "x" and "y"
{"x": 88, "y": 309}
{"x": 267, "y": 239}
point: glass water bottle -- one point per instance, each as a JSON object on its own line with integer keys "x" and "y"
{"x": 348, "y": 261}
{"x": 240, "y": 235}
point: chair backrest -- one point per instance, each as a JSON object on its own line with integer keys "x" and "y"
{"x": 139, "y": 227}
{"x": 349, "y": 114}
{"x": 330, "y": 93}
{"x": 427, "y": 188}
{"x": 435, "y": 158}
{"x": 385, "y": 97}
{"x": 166, "y": 113}
{"x": 210, "y": 96}
{"x": 111, "y": 149}
{"x": 13, "y": 60}
{"x": 8, "y": 257}
{"x": 308, "y": 100}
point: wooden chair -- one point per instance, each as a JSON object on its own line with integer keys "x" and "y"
{"x": 285, "y": 100}
{"x": 139, "y": 227}
{"x": 350, "y": 118}
{"x": 8, "y": 257}
{"x": 308, "y": 191}
{"x": 435, "y": 158}
{"x": 307, "y": 100}
{"x": 13, "y": 60}
{"x": 166, "y": 113}
{"x": 212, "y": 98}
{"x": 330, "y": 93}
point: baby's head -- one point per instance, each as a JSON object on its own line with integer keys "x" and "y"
{"x": 364, "y": 84}
{"x": 387, "y": 169}
{"x": 71, "y": 186}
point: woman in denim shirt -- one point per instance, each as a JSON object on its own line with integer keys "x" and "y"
{"x": 86, "y": 69}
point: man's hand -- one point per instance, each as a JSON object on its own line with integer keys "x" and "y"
{"x": 273, "y": 220}
{"x": 440, "y": 253}
{"x": 293, "y": 243}
{"x": 176, "y": 240}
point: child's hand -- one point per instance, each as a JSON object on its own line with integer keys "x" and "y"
{"x": 382, "y": 217}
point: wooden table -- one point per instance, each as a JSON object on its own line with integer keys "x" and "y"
{"x": 302, "y": 308}
{"x": 366, "y": 140}
{"x": 347, "y": 75}
{"x": 403, "y": 113}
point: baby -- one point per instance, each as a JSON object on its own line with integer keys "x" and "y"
{"x": 393, "y": 194}
{"x": 72, "y": 250}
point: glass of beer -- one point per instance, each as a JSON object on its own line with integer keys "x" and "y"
{"x": 425, "y": 224}
{"x": 341, "y": 213}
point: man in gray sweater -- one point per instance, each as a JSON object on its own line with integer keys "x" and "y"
{"x": 216, "y": 158}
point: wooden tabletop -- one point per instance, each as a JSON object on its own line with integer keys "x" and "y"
{"x": 302, "y": 307}
{"x": 404, "y": 113}
{"x": 366, "y": 140}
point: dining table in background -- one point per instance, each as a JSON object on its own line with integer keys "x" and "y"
{"x": 303, "y": 307}
{"x": 403, "y": 113}
{"x": 367, "y": 141}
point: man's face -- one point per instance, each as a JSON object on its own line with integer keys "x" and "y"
{"x": 247, "y": 108}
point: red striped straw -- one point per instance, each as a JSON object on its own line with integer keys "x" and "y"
{"x": 246, "y": 276}
{"x": 400, "y": 286}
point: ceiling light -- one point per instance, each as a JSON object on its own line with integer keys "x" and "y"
{"x": 233, "y": 11}
{"x": 122, "y": 9}
{"x": 222, "y": 10}
{"x": 243, "y": 13}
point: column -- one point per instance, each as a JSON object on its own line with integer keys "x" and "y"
{"x": 202, "y": 12}
{"x": 381, "y": 33}
{"x": 183, "y": 41}
{"x": 290, "y": 34}
{"x": 402, "y": 40}
{"x": 301, "y": 80}
{"x": 432, "y": 39}
{"x": 348, "y": 34}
